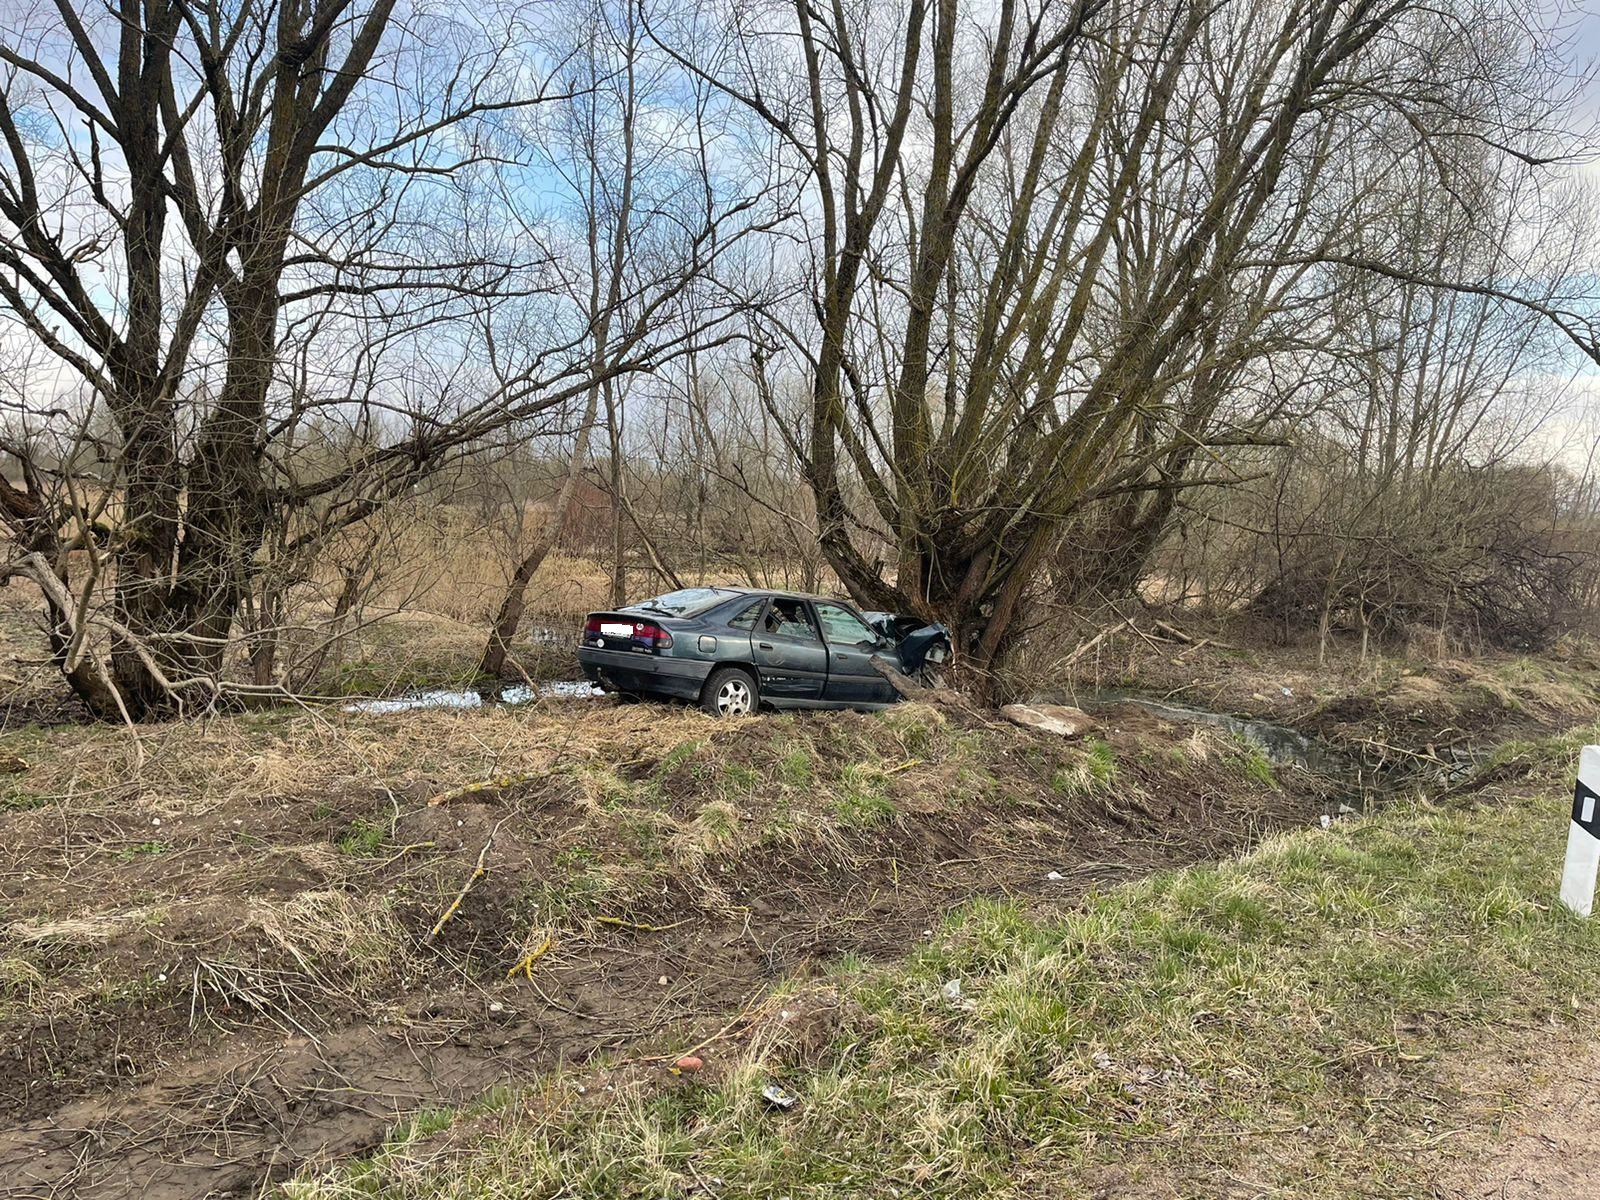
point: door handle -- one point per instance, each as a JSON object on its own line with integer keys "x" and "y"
{"x": 765, "y": 645}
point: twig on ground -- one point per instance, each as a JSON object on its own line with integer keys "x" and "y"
{"x": 478, "y": 872}
{"x": 635, "y": 925}
{"x": 525, "y": 966}
{"x": 403, "y": 851}
{"x": 746, "y": 1014}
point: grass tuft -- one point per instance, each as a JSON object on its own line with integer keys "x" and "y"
{"x": 1092, "y": 774}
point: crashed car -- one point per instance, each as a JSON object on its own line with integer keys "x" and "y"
{"x": 735, "y": 650}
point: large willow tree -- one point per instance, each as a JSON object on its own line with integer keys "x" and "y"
{"x": 1062, "y": 252}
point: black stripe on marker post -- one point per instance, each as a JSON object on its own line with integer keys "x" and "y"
{"x": 1586, "y": 809}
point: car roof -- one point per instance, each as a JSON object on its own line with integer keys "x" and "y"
{"x": 780, "y": 593}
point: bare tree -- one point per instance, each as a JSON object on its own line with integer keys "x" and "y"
{"x": 641, "y": 159}
{"x": 1052, "y": 241}
{"x": 171, "y": 147}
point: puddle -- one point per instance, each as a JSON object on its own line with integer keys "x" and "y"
{"x": 478, "y": 697}
{"x": 1358, "y": 783}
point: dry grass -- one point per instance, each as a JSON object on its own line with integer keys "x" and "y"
{"x": 192, "y": 767}
{"x": 323, "y": 845}
{"x": 342, "y": 941}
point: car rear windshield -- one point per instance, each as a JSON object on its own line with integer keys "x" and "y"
{"x": 687, "y": 602}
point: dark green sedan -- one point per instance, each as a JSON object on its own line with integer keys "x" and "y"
{"x": 734, "y": 650}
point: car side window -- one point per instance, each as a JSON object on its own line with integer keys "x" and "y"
{"x": 842, "y": 625}
{"x": 747, "y": 616}
{"x": 790, "y": 619}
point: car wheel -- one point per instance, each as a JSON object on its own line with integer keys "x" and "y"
{"x": 730, "y": 692}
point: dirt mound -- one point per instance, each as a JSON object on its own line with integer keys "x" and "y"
{"x": 214, "y": 974}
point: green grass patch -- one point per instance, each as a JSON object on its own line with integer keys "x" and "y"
{"x": 14, "y": 799}
{"x": 129, "y": 853}
{"x": 363, "y": 839}
{"x": 1093, "y": 772}
{"x": 1283, "y": 1018}
{"x": 1253, "y": 761}
{"x": 382, "y": 677}
{"x": 862, "y": 796}
{"x": 677, "y": 756}
{"x": 794, "y": 769}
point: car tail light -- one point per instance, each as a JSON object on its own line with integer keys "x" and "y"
{"x": 652, "y": 635}
{"x": 591, "y": 627}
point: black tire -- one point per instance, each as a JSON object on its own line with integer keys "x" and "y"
{"x": 730, "y": 691}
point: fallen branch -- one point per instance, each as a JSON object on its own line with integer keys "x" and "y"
{"x": 525, "y": 966}
{"x": 1174, "y": 632}
{"x": 910, "y": 689}
{"x": 619, "y": 923}
{"x": 1084, "y": 647}
{"x": 478, "y": 872}
{"x": 485, "y": 785}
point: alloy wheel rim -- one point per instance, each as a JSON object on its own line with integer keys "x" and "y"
{"x": 734, "y": 697}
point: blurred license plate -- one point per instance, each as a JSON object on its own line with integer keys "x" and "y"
{"x": 614, "y": 629}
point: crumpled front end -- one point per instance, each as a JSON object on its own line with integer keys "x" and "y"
{"x": 916, "y": 642}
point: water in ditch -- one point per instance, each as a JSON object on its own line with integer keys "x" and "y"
{"x": 478, "y": 697}
{"x": 1357, "y": 781}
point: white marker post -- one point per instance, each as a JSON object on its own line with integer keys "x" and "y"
{"x": 1583, "y": 836}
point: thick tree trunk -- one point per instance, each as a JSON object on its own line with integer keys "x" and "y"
{"x": 226, "y": 516}
{"x": 145, "y": 550}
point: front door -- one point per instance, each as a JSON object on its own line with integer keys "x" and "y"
{"x": 788, "y": 651}
{"x": 852, "y": 678}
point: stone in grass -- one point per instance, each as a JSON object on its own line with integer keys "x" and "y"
{"x": 1059, "y": 719}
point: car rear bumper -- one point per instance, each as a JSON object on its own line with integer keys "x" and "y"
{"x": 630, "y": 671}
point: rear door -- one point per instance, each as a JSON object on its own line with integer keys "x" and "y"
{"x": 852, "y": 678}
{"x": 788, "y": 651}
